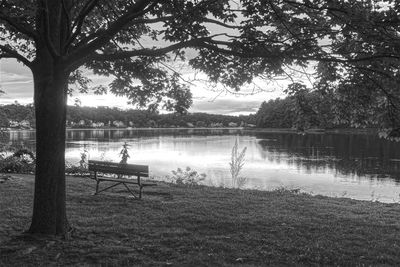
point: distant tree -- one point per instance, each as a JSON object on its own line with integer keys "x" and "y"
{"x": 276, "y": 113}
{"x": 3, "y": 119}
{"x": 302, "y": 109}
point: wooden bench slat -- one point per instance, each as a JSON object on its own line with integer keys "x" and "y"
{"x": 122, "y": 172}
{"x": 121, "y": 168}
{"x": 128, "y": 181}
{"x": 94, "y": 164}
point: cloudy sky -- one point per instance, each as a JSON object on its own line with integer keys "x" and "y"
{"x": 16, "y": 81}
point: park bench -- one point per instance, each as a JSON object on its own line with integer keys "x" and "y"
{"x": 101, "y": 168}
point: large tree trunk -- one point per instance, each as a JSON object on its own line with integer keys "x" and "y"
{"x": 49, "y": 209}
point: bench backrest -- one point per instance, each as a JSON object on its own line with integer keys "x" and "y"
{"x": 117, "y": 168}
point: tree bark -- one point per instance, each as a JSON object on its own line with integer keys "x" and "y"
{"x": 49, "y": 209}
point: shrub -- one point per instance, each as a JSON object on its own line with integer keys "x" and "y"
{"x": 187, "y": 177}
{"x": 21, "y": 161}
{"x": 15, "y": 165}
{"x": 75, "y": 170}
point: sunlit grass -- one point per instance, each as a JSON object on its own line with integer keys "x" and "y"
{"x": 201, "y": 225}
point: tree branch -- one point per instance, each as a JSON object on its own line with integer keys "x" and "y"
{"x": 24, "y": 29}
{"x": 88, "y": 7}
{"x": 138, "y": 9}
{"x": 155, "y": 52}
{"x": 309, "y": 4}
{"x": 213, "y": 21}
{"x": 10, "y": 53}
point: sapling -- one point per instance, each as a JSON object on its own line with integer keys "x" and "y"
{"x": 83, "y": 162}
{"x": 124, "y": 153}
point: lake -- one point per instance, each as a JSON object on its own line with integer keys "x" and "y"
{"x": 357, "y": 165}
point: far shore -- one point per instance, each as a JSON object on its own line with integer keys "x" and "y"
{"x": 246, "y": 129}
{"x": 198, "y": 225}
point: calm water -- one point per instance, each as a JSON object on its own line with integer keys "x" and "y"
{"x": 359, "y": 166}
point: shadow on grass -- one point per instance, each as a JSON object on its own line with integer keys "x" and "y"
{"x": 192, "y": 226}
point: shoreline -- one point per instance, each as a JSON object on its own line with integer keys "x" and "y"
{"x": 246, "y": 129}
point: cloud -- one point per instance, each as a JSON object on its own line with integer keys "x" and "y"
{"x": 227, "y": 106}
{"x": 8, "y": 78}
{"x": 16, "y": 81}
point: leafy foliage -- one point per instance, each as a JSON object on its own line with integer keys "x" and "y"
{"x": 16, "y": 112}
{"x": 301, "y": 110}
{"x": 3, "y": 120}
{"x": 187, "y": 177}
{"x": 71, "y": 169}
{"x": 21, "y": 160}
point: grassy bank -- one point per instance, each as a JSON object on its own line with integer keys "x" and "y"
{"x": 201, "y": 226}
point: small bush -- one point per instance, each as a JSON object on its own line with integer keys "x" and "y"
{"x": 21, "y": 161}
{"x": 75, "y": 170}
{"x": 13, "y": 164}
{"x": 187, "y": 177}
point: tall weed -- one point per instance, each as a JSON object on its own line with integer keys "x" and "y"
{"x": 236, "y": 165}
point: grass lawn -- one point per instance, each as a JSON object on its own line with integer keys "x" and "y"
{"x": 200, "y": 226}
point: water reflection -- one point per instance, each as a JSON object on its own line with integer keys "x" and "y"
{"x": 348, "y": 154}
{"x": 352, "y": 165}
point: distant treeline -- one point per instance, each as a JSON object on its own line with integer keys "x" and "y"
{"x": 113, "y": 117}
{"x": 303, "y": 110}
{"x": 22, "y": 116}
{"x": 15, "y": 114}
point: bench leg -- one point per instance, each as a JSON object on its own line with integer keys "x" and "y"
{"x": 140, "y": 192}
{"x": 130, "y": 191}
{"x": 102, "y": 190}
{"x": 97, "y": 187}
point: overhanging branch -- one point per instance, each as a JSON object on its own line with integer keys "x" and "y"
{"x": 10, "y": 53}
{"x": 87, "y": 8}
{"x": 155, "y": 52}
{"x": 22, "y": 28}
{"x": 225, "y": 25}
{"x": 138, "y": 9}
